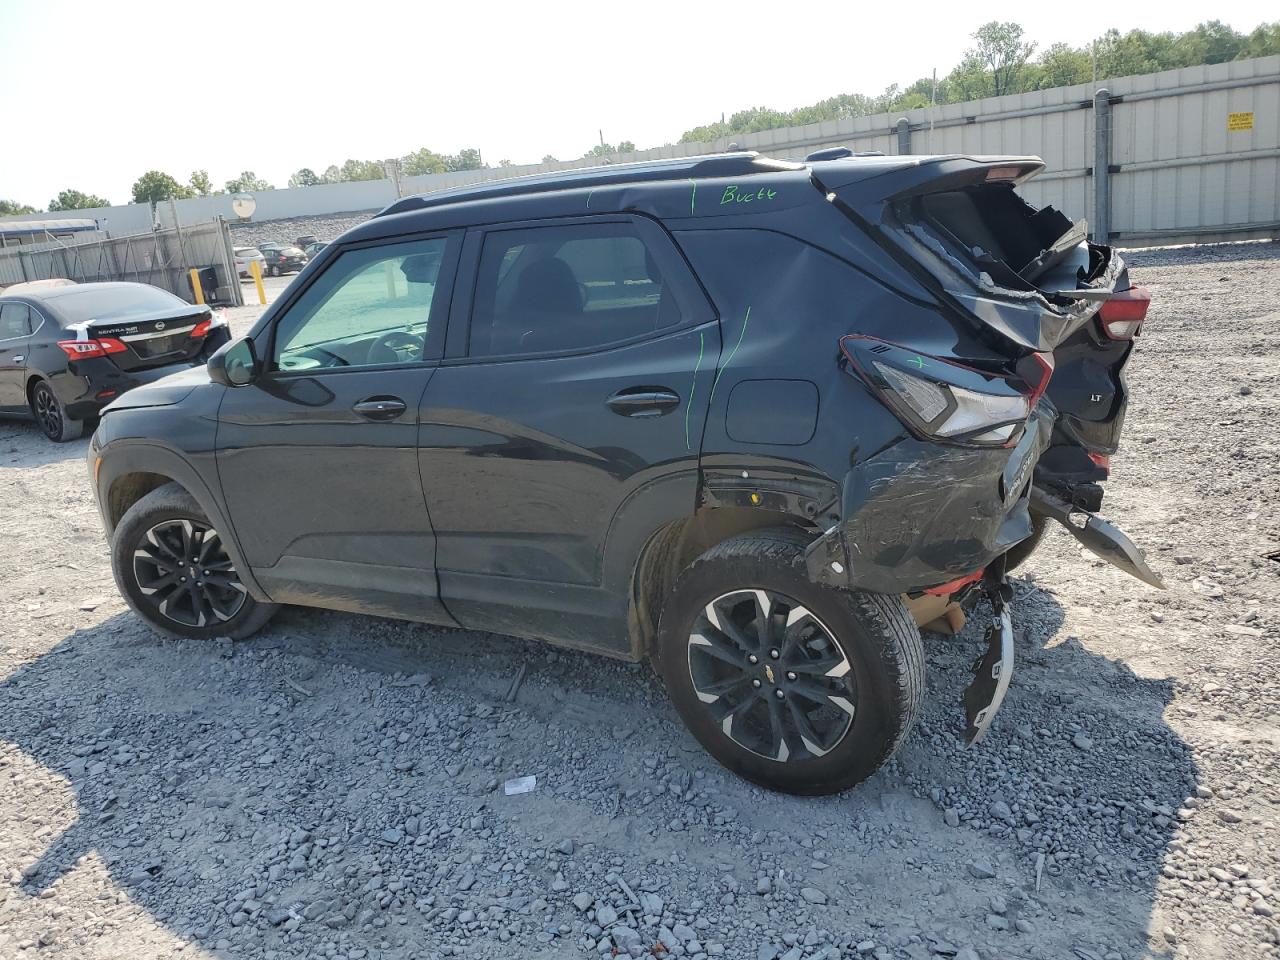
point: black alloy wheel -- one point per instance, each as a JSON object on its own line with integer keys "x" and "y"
{"x": 793, "y": 685}
{"x": 182, "y": 569}
{"x": 176, "y": 573}
{"x": 51, "y": 417}
{"x": 771, "y": 675}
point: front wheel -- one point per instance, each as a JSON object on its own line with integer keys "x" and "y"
{"x": 174, "y": 571}
{"x": 794, "y": 686}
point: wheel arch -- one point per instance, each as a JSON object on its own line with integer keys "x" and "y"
{"x": 34, "y": 378}
{"x": 127, "y": 471}
{"x": 676, "y": 545}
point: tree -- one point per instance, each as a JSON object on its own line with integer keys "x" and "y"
{"x": 11, "y": 208}
{"x": 1001, "y": 47}
{"x": 422, "y": 161}
{"x": 305, "y": 177}
{"x": 1210, "y": 42}
{"x": 247, "y": 182}
{"x": 506, "y": 163}
{"x": 200, "y": 183}
{"x": 548, "y": 158}
{"x": 154, "y": 186}
{"x": 606, "y": 149}
{"x": 468, "y": 159}
{"x": 75, "y": 200}
{"x": 1061, "y": 65}
{"x": 362, "y": 170}
{"x": 1263, "y": 42}
{"x": 969, "y": 80}
{"x": 331, "y": 174}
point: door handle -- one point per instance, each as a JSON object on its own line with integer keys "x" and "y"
{"x": 380, "y": 408}
{"x": 643, "y": 401}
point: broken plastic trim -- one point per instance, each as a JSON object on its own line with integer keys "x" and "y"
{"x": 1102, "y": 538}
{"x": 994, "y": 669}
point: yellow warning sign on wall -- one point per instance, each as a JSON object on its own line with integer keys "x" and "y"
{"x": 1240, "y": 121}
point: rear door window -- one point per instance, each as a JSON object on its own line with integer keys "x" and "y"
{"x": 554, "y": 289}
{"x": 15, "y": 321}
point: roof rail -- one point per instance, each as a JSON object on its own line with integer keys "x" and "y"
{"x": 840, "y": 153}
{"x": 741, "y": 164}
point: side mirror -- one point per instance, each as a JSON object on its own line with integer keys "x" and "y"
{"x": 234, "y": 364}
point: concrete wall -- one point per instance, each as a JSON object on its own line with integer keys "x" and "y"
{"x": 1174, "y": 171}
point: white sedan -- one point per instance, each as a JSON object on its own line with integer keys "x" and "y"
{"x": 246, "y": 255}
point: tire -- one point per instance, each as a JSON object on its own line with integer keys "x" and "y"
{"x": 858, "y": 659}
{"x": 144, "y": 572}
{"x": 51, "y": 415}
{"x": 1018, "y": 553}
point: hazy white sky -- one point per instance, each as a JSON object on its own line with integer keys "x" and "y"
{"x": 92, "y": 94}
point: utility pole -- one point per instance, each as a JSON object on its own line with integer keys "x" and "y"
{"x": 933, "y": 102}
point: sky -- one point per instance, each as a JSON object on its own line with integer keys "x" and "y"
{"x": 108, "y": 90}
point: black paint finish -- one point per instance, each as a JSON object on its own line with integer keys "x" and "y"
{"x": 517, "y": 492}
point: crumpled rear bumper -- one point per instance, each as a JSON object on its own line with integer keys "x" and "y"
{"x": 918, "y": 514}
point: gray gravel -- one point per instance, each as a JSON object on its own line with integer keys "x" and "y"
{"x": 286, "y": 231}
{"x": 333, "y": 787}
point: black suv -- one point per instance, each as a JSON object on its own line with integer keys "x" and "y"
{"x": 735, "y": 415}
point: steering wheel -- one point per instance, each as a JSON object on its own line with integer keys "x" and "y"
{"x": 387, "y": 348}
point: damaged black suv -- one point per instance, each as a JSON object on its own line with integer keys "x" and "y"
{"x": 751, "y": 419}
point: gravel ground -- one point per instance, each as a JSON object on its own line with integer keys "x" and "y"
{"x": 334, "y": 786}
{"x": 322, "y": 228}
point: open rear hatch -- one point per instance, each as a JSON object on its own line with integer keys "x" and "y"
{"x": 960, "y": 226}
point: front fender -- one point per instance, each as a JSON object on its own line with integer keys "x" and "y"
{"x": 117, "y": 459}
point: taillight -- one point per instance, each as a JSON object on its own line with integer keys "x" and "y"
{"x": 940, "y": 399}
{"x": 86, "y": 349}
{"x": 1122, "y": 314}
{"x": 216, "y": 318}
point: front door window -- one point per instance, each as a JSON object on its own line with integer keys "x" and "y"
{"x": 372, "y": 306}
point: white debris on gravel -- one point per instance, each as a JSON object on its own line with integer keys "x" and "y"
{"x": 333, "y": 787}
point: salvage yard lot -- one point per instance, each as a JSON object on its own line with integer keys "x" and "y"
{"x": 332, "y": 787}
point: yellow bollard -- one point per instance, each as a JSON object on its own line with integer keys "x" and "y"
{"x": 195, "y": 285}
{"x": 256, "y": 269}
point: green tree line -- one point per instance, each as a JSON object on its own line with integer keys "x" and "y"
{"x": 1001, "y": 60}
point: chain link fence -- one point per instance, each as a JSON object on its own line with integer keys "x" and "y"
{"x": 163, "y": 258}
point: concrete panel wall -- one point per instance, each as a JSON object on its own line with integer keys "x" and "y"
{"x": 1180, "y": 168}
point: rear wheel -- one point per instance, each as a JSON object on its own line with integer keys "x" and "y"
{"x": 173, "y": 569}
{"x": 51, "y": 415}
{"x": 797, "y": 687}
